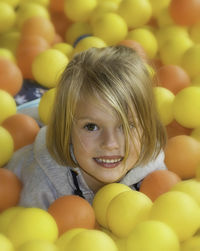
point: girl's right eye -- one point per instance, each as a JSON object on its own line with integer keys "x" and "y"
{"x": 91, "y": 127}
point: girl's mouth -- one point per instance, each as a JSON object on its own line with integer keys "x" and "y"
{"x": 108, "y": 162}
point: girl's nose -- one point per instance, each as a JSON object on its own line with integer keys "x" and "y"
{"x": 110, "y": 140}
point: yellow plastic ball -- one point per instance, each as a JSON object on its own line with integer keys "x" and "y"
{"x": 7, "y": 105}
{"x": 87, "y": 43}
{"x": 152, "y": 236}
{"x": 191, "y": 244}
{"x": 65, "y": 48}
{"x": 7, "y": 17}
{"x": 6, "y": 146}
{"x": 178, "y": 210}
{"x": 32, "y": 224}
{"x": 7, "y": 54}
{"x": 110, "y": 27}
{"x": 48, "y": 66}
{"x": 135, "y": 12}
{"x": 191, "y": 60}
{"x": 168, "y": 32}
{"x": 194, "y": 32}
{"x": 172, "y": 50}
{"x": 78, "y": 10}
{"x": 91, "y": 240}
{"x": 5, "y": 243}
{"x": 196, "y": 81}
{"x": 76, "y": 30}
{"x": 38, "y": 245}
{"x": 158, "y": 6}
{"x": 10, "y": 40}
{"x": 7, "y": 215}
{"x": 126, "y": 210}
{"x": 102, "y": 199}
{"x": 164, "y": 103}
{"x": 186, "y": 107}
{"x": 44, "y": 3}
{"x": 163, "y": 18}
{"x": 196, "y": 133}
{"x": 13, "y": 3}
{"x": 46, "y": 105}
{"x": 146, "y": 38}
{"x": 65, "y": 238}
{"x": 28, "y": 10}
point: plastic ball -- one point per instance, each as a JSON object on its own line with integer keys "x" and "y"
{"x": 10, "y": 77}
{"x": 158, "y": 6}
{"x": 87, "y": 43}
{"x": 191, "y": 60}
{"x": 102, "y": 199}
{"x": 28, "y": 10}
{"x": 135, "y": 12}
{"x": 7, "y": 54}
{"x": 152, "y": 235}
{"x": 76, "y": 30}
{"x": 186, "y": 107}
{"x": 32, "y": 224}
{"x": 175, "y": 129}
{"x": 173, "y": 49}
{"x": 135, "y": 46}
{"x": 179, "y": 211}
{"x": 172, "y": 77}
{"x": 65, "y": 238}
{"x": 7, "y": 215}
{"x": 10, "y": 189}
{"x": 23, "y": 129}
{"x": 78, "y": 10}
{"x": 7, "y": 105}
{"x": 147, "y": 40}
{"x": 192, "y": 243}
{"x": 72, "y": 211}
{"x": 185, "y": 12}
{"x": 39, "y": 26}
{"x": 46, "y": 105}
{"x": 126, "y": 210}
{"x": 38, "y": 245}
{"x": 7, "y": 17}
{"x": 65, "y": 48}
{"x": 28, "y": 48}
{"x": 92, "y": 240}
{"x": 48, "y": 66}
{"x": 195, "y": 133}
{"x": 158, "y": 182}
{"x": 5, "y": 243}
{"x": 9, "y": 40}
{"x": 164, "y": 99}
{"x": 110, "y": 27}
{"x": 182, "y": 155}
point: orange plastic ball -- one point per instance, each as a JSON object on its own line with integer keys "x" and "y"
{"x": 158, "y": 182}
{"x": 11, "y": 78}
{"x": 172, "y": 77}
{"x": 22, "y": 128}
{"x": 72, "y": 211}
{"x": 10, "y": 189}
{"x": 185, "y": 12}
{"x": 56, "y": 5}
{"x": 39, "y": 26}
{"x": 175, "y": 129}
{"x": 182, "y": 155}
{"x": 28, "y": 48}
{"x": 135, "y": 46}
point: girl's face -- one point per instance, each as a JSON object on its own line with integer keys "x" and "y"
{"x": 99, "y": 142}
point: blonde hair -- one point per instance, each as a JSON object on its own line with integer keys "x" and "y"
{"x": 119, "y": 76}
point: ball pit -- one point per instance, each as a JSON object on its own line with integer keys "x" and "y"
{"x": 166, "y": 35}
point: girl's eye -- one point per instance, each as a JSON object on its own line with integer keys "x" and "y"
{"x": 91, "y": 127}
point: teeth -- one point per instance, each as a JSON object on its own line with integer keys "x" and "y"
{"x": 108, "y": 160}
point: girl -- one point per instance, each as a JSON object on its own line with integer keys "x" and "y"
{"x": 104, "y": 128}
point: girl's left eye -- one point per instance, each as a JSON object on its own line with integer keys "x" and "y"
{"x": 91, "y": 127}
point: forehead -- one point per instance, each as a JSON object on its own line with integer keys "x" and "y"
{"x": 94, "y": 107}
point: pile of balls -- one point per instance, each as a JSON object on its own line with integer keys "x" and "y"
{"x": 38, "y": 38}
